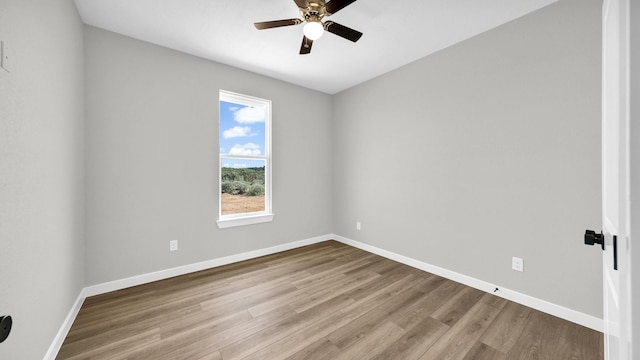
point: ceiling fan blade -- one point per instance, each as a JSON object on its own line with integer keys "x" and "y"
{"x": 305, "y": 48}
{"x": 303, "y": 4}
{"x": 334, "y": 6}
{"x": 343, "y": 31}
{"x": 276, "y": 23}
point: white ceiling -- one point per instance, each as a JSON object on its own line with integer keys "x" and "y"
{"x": 395, "y": 33}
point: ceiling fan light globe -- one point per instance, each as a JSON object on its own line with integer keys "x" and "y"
{"x": 313, "y": 30}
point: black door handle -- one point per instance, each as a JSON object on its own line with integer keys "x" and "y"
{"x": 592, "y": 238}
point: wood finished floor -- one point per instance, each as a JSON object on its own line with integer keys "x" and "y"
{"x": 324, "y": 301}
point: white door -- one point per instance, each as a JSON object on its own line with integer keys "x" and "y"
{"x": 615, "y": 179}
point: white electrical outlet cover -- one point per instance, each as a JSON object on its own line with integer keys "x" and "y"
{"x": 517, "y": 264}
{"x": 173, "y": 245}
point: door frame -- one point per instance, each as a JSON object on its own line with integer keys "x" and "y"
{"x": 634, "y": 169}
{"x": 622, "y": 324}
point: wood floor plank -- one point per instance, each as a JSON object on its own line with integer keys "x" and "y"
{"x": 322, "y": 349}
{"x": 577, "y": 342}
{"x": 323, "y": 301}
{"x": 318, "y": 297}
{"x": 297, "y": 341}
{"x": 110, "y": 349}
{"x": 481, "y": 351}
{"x": 368, "y": 322}
{"x": 373, "y": 343}
{"x": 212, "y": 356}
{"x": 431, "y": 282}
{"x": 503, "y": 333}
{"x": 314, "y": 332}
{"x": 266, "y": 337}
{"x": 376, "y": 297}
{"x": 212, "y": 337}
{"x": 344, "y": 264}
{"x": 457, "y": 342}
{"x": 415, "y": 341}
{"x": 200, "y": 319}
{"x": 349, "y": 309}
{"x": 431, "y": 302}
{"x": 383, "y": 282}
{"x": 246, "y": 299}
{"x": 539, "y": 339}
{"x": 458, "y": 305}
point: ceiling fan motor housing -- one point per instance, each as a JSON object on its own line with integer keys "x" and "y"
{"x": 315, "y": 11}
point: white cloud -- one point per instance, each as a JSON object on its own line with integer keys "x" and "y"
{"x": 235, "y": 166}
{"x": 237, "y": 131}
{"x": 249, "y": 115}
{"x": 246, "y": 149}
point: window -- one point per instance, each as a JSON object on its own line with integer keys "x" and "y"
{"x": 245, "y": 160}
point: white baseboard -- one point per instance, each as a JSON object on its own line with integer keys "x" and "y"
{"x": 64, "y": 329}
{"x": 532, "y": 302}
{"x": 187, "y": 269}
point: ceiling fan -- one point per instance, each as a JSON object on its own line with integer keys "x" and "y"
{"x": 313, "y": 11}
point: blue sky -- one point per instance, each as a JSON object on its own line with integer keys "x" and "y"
{"x": 242, "y": 133}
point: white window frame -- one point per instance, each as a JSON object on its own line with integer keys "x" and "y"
{"x": 241, "y": 219}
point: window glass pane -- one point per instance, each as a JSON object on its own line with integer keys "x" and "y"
{"x": 242, "y": 185}
{"x": 245, "y": 158}
{"x": 242, "y": 129}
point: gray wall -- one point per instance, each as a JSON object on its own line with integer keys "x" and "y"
{"x": 152, "y": 129}
{"x": 41, "y": 171}
{"x": 486, "y": 150}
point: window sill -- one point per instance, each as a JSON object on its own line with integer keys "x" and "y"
{"x": 246, "y": 220}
